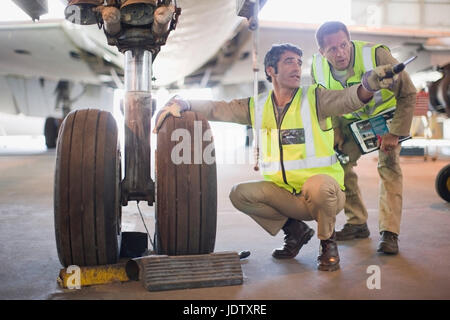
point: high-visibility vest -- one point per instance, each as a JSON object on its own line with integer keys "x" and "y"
{"x": 364, "y": 60}
{"x": 298, "y": 148}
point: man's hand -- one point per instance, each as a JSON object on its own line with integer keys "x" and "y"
{"x": 173, "y": 107}
{"x": 371, "y": 79}
{"x": 388, "y": 142}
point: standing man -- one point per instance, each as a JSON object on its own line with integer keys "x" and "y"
{"x": 341, "y": 64}
{"x": 302, "y": 178}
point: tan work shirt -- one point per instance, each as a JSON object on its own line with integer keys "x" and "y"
{"x": 329, "y": 103}
{"x": 404, "y": 92}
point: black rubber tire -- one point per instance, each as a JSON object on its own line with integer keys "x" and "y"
{"x": 51, "y": 128}
{"x": 186, "y": 194}
{"x": 87, "y": 189}
{"x": 443, "y": 183}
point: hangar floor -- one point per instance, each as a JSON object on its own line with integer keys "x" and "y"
{"x": 29, "y": 263}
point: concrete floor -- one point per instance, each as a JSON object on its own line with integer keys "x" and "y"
{"x": 29, "y": 264}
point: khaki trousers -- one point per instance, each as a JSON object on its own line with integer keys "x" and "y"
{"x": 390, "y": 188}
{"x": 321, "y": 199}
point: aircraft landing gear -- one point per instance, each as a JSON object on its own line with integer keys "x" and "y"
{"x": 51, "y": 128}
{"x": 86, "y": 194}
{"x": 186, "y": 199}
{"x": 88, "y": 190}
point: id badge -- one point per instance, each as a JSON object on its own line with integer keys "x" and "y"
{"x": 292, "y": 136}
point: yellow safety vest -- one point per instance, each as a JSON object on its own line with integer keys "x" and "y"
{"x": 364, "y": 60}
{"x": 298, "y": 148}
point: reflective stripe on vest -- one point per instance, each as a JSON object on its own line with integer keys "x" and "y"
{"x": 369, "y": 65}
{"x": 305, "y": 113}
{"x": 308, "y": 163}
{"x": 319, "y": 70}
{"x": 259, "y": 109}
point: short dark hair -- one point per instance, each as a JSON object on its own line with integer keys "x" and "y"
{"x": 273, "y": 56}
{"x": 330, "y": 27}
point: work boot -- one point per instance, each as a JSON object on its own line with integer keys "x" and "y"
{"x": 328, "y": 259}
{"x": 388, "y": 243}
{"x": 352, "y": 231}
{"x": 297, "y": 233}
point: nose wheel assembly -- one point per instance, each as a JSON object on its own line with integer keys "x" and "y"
{"x": 89, "y": 190}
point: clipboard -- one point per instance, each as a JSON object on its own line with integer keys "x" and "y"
{"x": 365, "y": 131}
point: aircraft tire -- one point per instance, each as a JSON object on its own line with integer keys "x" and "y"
{"x": 186, "y": 192}
{"x": 443, "y": 183}
{"x": 51, "y": 127}
{"x": 87, "y": 208}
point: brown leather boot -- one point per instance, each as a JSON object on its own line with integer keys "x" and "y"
{"x": 328, "y": 259}
{"x": 297, "y": 233}
{"x": 353, "y": 231}
{"x": 388, "y": 243}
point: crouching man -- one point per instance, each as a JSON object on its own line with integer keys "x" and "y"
{"x": 303, "y": 180}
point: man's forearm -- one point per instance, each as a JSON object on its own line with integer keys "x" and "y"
{"x": 401, "y": 123}
{"x": 339, "y": 102}
{"x": 236, "y": 111}
{"x": 405, "y": 93}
